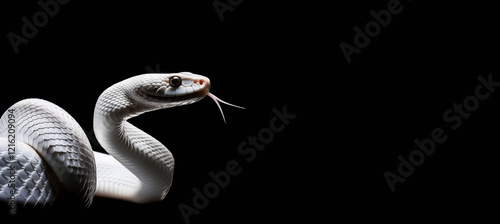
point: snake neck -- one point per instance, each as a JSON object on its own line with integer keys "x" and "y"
{"x": 144, "y": 156}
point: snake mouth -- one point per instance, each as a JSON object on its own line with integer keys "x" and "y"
{"x": 186, "y": 89}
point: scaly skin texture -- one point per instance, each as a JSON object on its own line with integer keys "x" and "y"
{"x": 53, "y": 156}
{"x": 59, "y": 140}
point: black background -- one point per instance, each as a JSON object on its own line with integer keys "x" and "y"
{"x": 353, "y": 119}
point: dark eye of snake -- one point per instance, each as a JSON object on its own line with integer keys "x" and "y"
{"x": 175, "y": 81}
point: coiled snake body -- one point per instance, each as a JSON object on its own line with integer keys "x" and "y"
{"x": 53, "y": 158}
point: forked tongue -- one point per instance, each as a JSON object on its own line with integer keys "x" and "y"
{"x": 217, "y": 100}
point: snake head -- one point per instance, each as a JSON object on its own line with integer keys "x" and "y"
{"x": 168, "y": 90}
{"x": 162, "y": 90}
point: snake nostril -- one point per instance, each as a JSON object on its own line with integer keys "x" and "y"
{"x": 202, "y": 81}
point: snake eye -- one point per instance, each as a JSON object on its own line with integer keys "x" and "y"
{"x": 175, "y": 81}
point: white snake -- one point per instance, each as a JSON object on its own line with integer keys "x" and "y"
{"x": 53, "y": 157}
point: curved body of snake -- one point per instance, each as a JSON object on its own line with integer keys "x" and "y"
{"x": 45, "y": 154}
